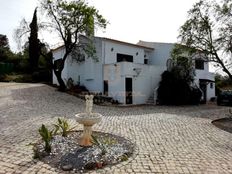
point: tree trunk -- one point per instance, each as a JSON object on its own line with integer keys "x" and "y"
{"x": 228, "y": 73}
{"x": 58, "y": 68}
{"x": 223, "y": 67}
{"x": 62, "y": 86}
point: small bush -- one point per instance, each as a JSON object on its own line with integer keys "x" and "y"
{"x": 63, "y": 127}
{"x": 42, "y": 75}
{"x": 79, "y": 89}
{"x": 46, "y": 137}
{"x": 20, "y": 78}
{"x": 175, "y": 91}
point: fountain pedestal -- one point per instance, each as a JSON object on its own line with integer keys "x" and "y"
{"x": 86, "y": 139}
{"x": 87, "y": 120}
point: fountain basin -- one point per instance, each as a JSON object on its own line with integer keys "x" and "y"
{"x": 88, "y": 119}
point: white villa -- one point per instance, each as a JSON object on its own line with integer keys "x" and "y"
{"x": 129, "y": 73}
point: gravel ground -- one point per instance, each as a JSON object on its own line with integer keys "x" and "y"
{"x": 169, "y": 139}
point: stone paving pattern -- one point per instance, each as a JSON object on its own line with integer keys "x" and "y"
{"x": 168, "y": 139}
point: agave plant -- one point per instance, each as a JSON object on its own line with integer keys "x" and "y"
{"x": 99, "y": 144}
{"x": 63, "y": 126}
{"x": 46, "y": 137}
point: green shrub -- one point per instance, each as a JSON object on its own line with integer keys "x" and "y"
{"x": 63, "y": 127}
{"x": 46, "y": 137}
{"x": 176, "y": 91}
{"x": 42, "y": 75}
{"x": 78, "y": 89}
{"x": 20, "y": 78}
{"x": 99, "y": 144}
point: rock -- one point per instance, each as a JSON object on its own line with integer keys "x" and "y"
{"x": 90, "y": 166}
{"x": 67, "y": 167}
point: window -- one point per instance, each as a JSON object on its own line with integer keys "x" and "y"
{"x": 211, "y": 85}
{"x": 124, "y": 58}
{"x": 106, "y": 87}
{"x": 146, "y": 61}
{"x": 199, "y": 64}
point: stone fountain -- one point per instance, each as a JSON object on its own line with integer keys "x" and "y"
{"x": 88, "y": 119}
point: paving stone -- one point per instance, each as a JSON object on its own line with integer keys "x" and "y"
{"x": 168, "y": 139}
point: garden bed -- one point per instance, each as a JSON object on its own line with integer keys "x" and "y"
{"x": 66, "y": 154}
{"x": 224, "y": 124}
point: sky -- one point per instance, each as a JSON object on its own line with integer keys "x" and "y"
{"x": 129, "y": 20}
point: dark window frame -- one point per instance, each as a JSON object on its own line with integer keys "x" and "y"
{"x": 145, "y": 61}
{"x": 124, "y": 58}
{"x": 211, "y": 85}
{"x": 199, "y": 64}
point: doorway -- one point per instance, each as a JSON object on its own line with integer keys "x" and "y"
{"x": 203, "y": 87}
{"x": 106, "y": 87}
{"x": 129, "y": 91}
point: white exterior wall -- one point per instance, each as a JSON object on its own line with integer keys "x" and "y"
{"x": 88, "y": 73}
{"x": 111, "y": 56}
{"x": 92, "y": 74}
{"x": 143, "y": 85}
{"x": 162, "y": 53}
{"x": 203, "y": 74}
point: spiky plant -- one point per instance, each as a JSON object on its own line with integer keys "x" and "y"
{"x": 63, "y": 126}
{"x": 46, "y": 137}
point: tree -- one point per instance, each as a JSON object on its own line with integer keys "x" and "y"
{"x": 70, "y": 19}
{"x": 208, "y": 31}
{"x": 180, "y": 76}
{"x": 182, "y": 63}
{"x": 4, "y": 47}
{"x": 4, "y": 43}
{"x": 34, "y": 43}
{"x": 5, "y": 52}
{"x": 26, "y": 35}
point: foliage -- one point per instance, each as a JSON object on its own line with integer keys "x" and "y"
{"x": 124, "y": 157}
{"x": 222, "y": 82}
{"x": 63, "y": 126}
{"x": 34, "y": 43}
{"x": 5, "y": 52}
{"x": 78, "y": 89}
{"x": 180, "y": 76}
{"x": 207, "y": 32}
{"x": 4, "y": 43}
{"x": 182, "y": 64}
{"x": 46, "y": 137}
{"x": 174, "y": 90}
{"x": 99, "y": 144}
{"x": 20, "y": 78}
{"x": 70, "y": 19}
{"x": 38, "y": 57}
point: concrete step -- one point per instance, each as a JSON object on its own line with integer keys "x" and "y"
{"x": 150, "y": 100}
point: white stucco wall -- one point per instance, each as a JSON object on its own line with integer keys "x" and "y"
{"x": 203, "y": 74}
{"x": 162, "y": 53}
{"x": 92, "y": 74}
{"x": 88, "y": 73}
{"x": 112, "y": 48}
{"x": 143, "y": 85}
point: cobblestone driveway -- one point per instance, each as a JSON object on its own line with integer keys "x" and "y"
{"x": 169, "y": 139}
